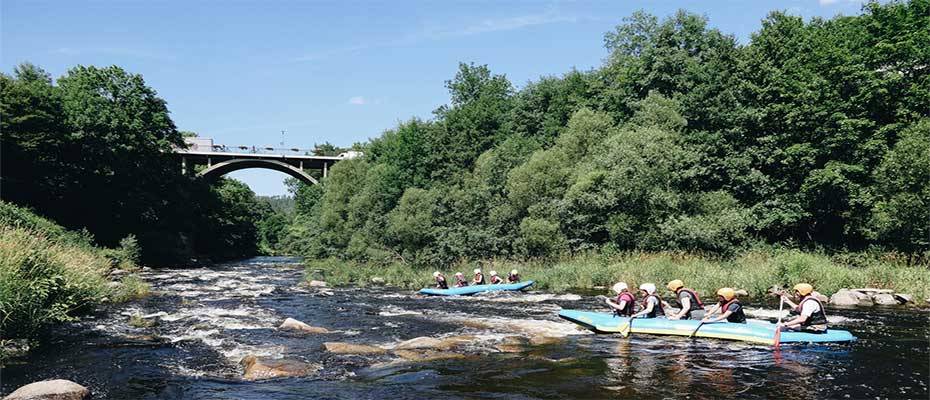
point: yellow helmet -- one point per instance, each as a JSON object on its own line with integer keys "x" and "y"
{"x": 675, "y": 285}
{"x": 727, "y": 293}
{"x": 804, "y": 288}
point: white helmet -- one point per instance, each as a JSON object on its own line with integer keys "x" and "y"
{"x": 458, "y": 274}
{"x": 477, "y": 270}
{"x": 620, "y": 287}
{"x": 493, "y": 273}
{"x": 648, "y": 287}
{"x": 436, "y": 274}
{"x": 513, "y": 272}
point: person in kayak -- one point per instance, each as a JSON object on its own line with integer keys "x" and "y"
{"x": 652, "y": 304}
{"x": 514, "y": 276}
{"x": 728, "y": 306}
{"x": 440, "y": 280}
{"x": 808, "y": 313}
{"x": 460, "y": 280}
{"x": 496, "y": 280}
{"x": 623, "y": 305}
{"x": 479, "y": 277}
{"x": 688, "y": 301}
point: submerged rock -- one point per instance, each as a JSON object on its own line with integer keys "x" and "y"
{"x": 419, "y": 343}
{"x": 56, "y": 389}
{"x": 512, "y": 344}
{"x": 256, "y": 368}
{"x": 291, "y": 324}
{"x": 885, "y": 299}
{"x": 545, "y": 340}
{"x": 427, "y": 355}
{"x": 453, "y": 342}
{"x": 349, "y": 348}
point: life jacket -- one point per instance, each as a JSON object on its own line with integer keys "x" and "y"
{"x": 496, "y": 279}
{"x": 695, "y": 299}
{"x": 479, "y": 281}
{"x": 657, "y": 310}
{"x": 460, "y": 282}
{"x": 817, "y": 318}
{"x": 738, "y": 317}
{"x": 513, "y": 278}
{"x": 628, "y": 307}
{"x": 441, "y": 282}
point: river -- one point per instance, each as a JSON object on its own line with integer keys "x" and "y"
{"x": 207, "y": 319}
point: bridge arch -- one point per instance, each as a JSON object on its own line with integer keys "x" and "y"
{"x": 217, "y": 170}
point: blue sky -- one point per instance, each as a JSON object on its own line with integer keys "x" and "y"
{"x": 242, "y": 71}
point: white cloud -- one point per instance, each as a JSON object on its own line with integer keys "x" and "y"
{"x": 358, "y": 100}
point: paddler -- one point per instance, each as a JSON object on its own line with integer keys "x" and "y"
{"x": 479, "y": 277}
{"x": 808, "y": 313}
{"x": 728, "y": 306}
{"x": 652, "y": 304}
{"x": 496, "y": 280}
{"x": 514, "y": 276}
{"x": 688, "y": 301}
{"x": 460, "y": 280}
{"x": 623, "y": 305}
{"x": 440, "y": 280}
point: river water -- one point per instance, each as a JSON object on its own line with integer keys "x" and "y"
{"x": 207, "y": 319}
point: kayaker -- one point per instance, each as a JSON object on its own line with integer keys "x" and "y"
{"x": 688, "y": 301}
{"x": 460, "y": 280}
{"x": 808, "y": 313}
{"x": 728, "y": 306}
{"x": 514, "y": 276}
{"x": 623, "y": 305}
{"x": 652, "y": 304}
{"x": 479, "y": 277}
{"x": 496, "y": 280}
{"x": 440, "y": 280}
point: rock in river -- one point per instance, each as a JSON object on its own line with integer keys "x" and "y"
{"x": 257, "y": 368}
{"x": 427, "y": 355}
{"x": 904, "y": 298}
{"x": 844, "y": 298}
{"x": 291, "y": 324}
{"x": 885, "y": 299}
{"x": 349, "y": 348}
{"x": 419, "y": 343}
{"x": 316, "y": 284}
{"x": 56, "y": 389}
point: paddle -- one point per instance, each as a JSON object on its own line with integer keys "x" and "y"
{"x": 781, "y": 306}
{"x": 626, "y": 328}
{"x": 696, "y": 329}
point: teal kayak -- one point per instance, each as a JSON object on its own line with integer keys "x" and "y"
{"x": 466, "y": 290}
{"x": 753, "y": 331}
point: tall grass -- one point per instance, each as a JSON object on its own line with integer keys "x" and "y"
{"x": 50, "y": 275}
{"x": 754, "y": 271}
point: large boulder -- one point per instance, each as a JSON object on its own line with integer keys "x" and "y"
{"x": 819, "y": 296}
{"x": 291, "y": 324}
{"x": 349, "y": 348}
{"x": 844, "y": 298}
{"x": 885, "y": 299}
{"x": 453, "y": 342}
{"x": 256, "y": 368}
{"x": 377, "y": 280}
{"x": 56, "y": 389}
{"x": 872, "y": 291}
{"x": 419, "y": 343}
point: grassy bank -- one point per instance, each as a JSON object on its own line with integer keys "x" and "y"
{"x": 50, "y": 275}
{"x": 754, "y": 271}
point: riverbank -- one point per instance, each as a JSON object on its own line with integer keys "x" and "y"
{"x": 754, "y": 271}
{"x": 50, "y": 275}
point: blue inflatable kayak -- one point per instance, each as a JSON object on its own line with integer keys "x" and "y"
{"x": 466, "y": 290}
{"x": 753, "y": 331}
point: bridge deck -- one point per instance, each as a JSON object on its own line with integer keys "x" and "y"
{"x": 307, "y": 161}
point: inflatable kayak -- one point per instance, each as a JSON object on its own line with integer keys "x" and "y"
{"x": 466, "y": 290}
{"x": 755, "y": 331}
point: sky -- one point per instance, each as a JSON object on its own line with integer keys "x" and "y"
{"x": 240, "y": 72}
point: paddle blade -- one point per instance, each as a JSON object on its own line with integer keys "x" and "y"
{"x": 625, "y": 329}
{"x": 777, "y": 336}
